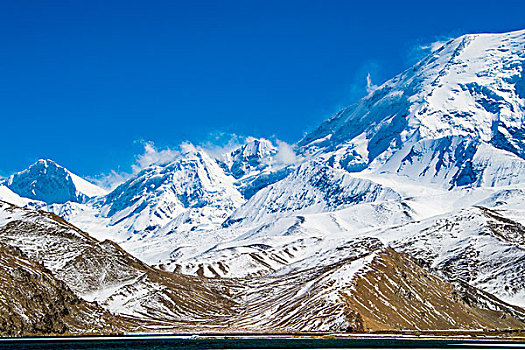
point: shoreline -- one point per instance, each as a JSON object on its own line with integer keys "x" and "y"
{"x": 516, "y": 336}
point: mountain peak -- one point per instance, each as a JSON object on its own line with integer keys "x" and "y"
{"x": 473, "y": 86}
{"x": 255, "y": 147}
{"x": 191, "y": 183}
{"x": 49, "y": 182}
{"x": 44, "y": 162}
{"x": 253, "y": 155}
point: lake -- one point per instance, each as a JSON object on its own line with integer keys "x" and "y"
{"x": 249, "y": 342}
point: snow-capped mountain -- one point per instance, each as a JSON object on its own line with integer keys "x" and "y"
{"x": 192, "y": 190}
{"x": 253, "y": 156}
{"x": 48, "y": 182}
{"x": 312, "y": 187}
{"x": 435, "y": 139}
{"x": 74, "y": 284}
{"x": 472, "y": 87}
{"x": 431, "y": 164}
{"x": 254, "y": 165}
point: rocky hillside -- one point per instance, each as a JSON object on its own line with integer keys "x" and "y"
{"x": 376, "y": 290}
{"x": 34, "y": 302}
{"x": 102, "y": 272}
{"x": 427, "y": 171}
{"x": 59, "y": 280}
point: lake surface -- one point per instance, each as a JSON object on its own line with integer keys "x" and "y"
{"x": 178, "y": 342}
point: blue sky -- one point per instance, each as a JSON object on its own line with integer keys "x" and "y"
{"x": 84, "y": 82}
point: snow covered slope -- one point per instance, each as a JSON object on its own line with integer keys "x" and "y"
{"x": 189, "y": 192}
{"x": 249, "y": 158}
{"x": 103, "y": 272}
{"x": 47, "y": 181}
{"x": 373, "y": 289}
{"x": 9, "y": 196}
{"x": 312, "y": 187}
{"x": 471, "y": 87}
{"x": 477, "y": 245}
{"x": 456, "y": 161}
{"x": 56, "y": 263}
{"x": 34, "y": 302}
{"x": 431, "y": 163}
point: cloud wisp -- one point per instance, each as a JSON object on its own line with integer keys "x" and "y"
{"x": 154, "y": 155}
{"x": 421, "y": 49}
{"x": 285, "y": 153}
{"x": 369, "y": 86}
{"x": 222, "y": 143}
{"x": 218, "y": 146}
{"x": 151, "y": 154}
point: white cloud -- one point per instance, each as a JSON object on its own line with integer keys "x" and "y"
{"x": 187, "y": 147}
{"x": 153, "y": 155}
{"x": 369, "y": 86}
{"x": 422, "y": 49}
{"x": 434, "y": 46}
{"x": 285, "y": 153}
{"x": 110, "y": 180}
{"x": 150, "y": 155}
{"x": 218, "y": 145}
{"x": 356, "y": 89}
{"x": 221, "y": 143}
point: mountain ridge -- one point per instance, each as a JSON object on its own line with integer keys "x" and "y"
{"x": 99, "y": 288}
{"x": 47, "y": 181}
{"x": 430, "y": 164}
